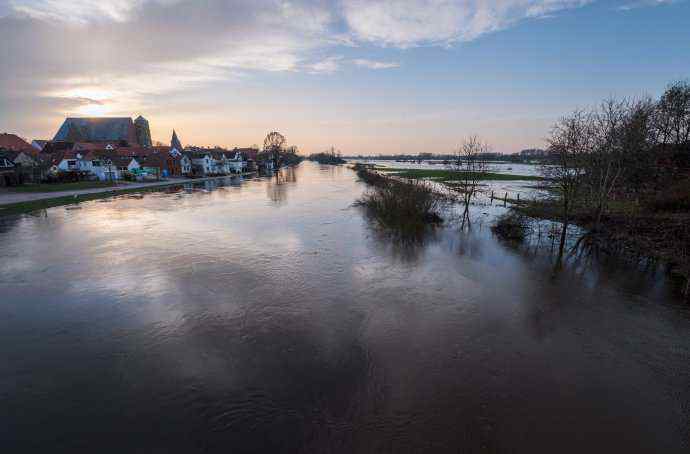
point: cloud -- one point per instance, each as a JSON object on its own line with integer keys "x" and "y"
{"x": 125, "y": 55}
{"x": 645, "y": 3}
{"x": 409, "y": 23}
{"x": 328, "y": 65}
{"x": 372, "y": 64}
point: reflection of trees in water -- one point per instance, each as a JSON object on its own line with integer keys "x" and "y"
{"x": 277, "y": 185}
{"x": 405, "y": 242}
{"x": 590, "y": 259}
{"x": 8, "y": 223}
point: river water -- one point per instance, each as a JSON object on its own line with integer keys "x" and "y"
{"x": 270, "y": 315}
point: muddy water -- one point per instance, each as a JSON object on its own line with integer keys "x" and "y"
{"x": 270, "y": 315}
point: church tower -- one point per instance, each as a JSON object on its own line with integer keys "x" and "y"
{"x": 175, "y": 142}
{"x": 143, "y": 132}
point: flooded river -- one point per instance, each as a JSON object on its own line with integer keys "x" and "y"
{"x": 270, "y": 315}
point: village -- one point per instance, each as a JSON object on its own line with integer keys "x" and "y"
{"x": 117, "y": 149}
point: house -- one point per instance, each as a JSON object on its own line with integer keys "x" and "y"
{"x": 235, "y": 162}
{"x": 202, "y": 163}
{"x": 101, "y": 165}
{"x": 172, "y": 160}
{"x": 13, "y": 142}
{"x": 8, "y": 177}
{"x": 186, "y": 164}
{"x": 87, "y": 146}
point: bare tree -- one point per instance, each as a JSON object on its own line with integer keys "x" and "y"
{"x": 603, "y": 155}
{"x": 471, "y": 166}
{"x": 673, "y": 115}
{"x": 570, "y": 142}
{"x": 638, "y": 137}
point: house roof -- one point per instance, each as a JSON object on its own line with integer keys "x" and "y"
{"x": 13, "y": 142}
{"x": 40, "y": 143}
{"x": 83, "y": 146}
{"x": 97, "y": 129}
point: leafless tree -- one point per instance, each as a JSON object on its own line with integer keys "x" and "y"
{"x": 603, "y": 155}
{"x": 471, "y": 166}
{"x": 673, "y": 115}
{"x": 569, "y": 144}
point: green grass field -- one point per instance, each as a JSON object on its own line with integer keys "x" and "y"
{"x": 450, "y": 175}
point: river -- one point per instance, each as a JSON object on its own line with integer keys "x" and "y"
{"x": 271, "y": 315}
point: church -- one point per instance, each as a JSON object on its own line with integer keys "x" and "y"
{"x": 105, "y": 129}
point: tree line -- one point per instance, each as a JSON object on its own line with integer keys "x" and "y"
{"x": 634, "y": 152}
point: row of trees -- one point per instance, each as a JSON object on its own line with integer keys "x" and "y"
{"x": 331, "y": 156}
{"x": 623, "y": 149}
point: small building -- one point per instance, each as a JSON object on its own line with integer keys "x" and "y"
{"x": 8, "y": 176}
{"x": 186, "y": 164}
{"x": 203, "y": 164}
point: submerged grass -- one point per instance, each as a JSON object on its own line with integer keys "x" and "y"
{"x": 452, "y": 175}
{"x": 407, "y": 205}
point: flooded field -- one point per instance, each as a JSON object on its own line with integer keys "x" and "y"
{"x": 271, "y": 315}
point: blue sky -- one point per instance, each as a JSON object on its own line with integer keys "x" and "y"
{"x": 366, "y": 77}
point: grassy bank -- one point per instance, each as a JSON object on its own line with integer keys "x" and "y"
{"x": 57, "y": 187}
{"x": 42, "y": 204}
{"x": 450, "y": 175}
{"x": 35, "y": 205}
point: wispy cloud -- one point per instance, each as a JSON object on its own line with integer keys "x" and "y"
{"x": 409, "y": 23}
{"x": 645, "y": 3}
{"x": 373, "y": 64}
{"x": 328, "y": 65}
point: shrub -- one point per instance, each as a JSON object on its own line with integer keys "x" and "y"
{"x": 511, "y": 227}
{"x": 676, "y": 197}
{"x": 402, "y": 204}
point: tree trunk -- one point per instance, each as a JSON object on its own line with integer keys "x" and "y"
{"x": 564, "y": 233}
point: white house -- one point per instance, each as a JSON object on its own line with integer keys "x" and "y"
{"x": 204, "y": 162}
{"x": 235, "y": 163}
{"x": 185, "y": 165}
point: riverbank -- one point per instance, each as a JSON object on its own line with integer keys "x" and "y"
{"x": 452, "y": 175}
{"x": 24, "y": 202}
{"x": 630, "y": 231}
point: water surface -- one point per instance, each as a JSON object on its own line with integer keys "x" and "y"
{"x": 270, "y": 315}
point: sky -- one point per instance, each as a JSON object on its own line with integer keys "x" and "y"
{"x": 367, "y": 77}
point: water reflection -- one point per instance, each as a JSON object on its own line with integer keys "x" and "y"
{"x": 407, "y": 244}
{"x": 238, "y": 317}
{"x": 279, "y": 184}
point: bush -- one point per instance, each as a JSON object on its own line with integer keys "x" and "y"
{"x": 512, "y": 227}
{"x": 675, "y": 197}
{"x": 402, "y": 204}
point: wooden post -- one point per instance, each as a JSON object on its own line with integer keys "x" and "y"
{"x": 518, "y": 196}
{"x": 505, "y": 200}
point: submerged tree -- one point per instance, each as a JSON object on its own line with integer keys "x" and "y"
{"x": 470, "y": 163}
{"x": 569, "y": 144}
{"x": 273, "y": 145}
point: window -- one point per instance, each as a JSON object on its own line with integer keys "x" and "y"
{"x": 96, "y": 163}
{"x": 72, "y": 163}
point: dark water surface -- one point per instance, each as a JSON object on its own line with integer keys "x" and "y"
{"x": 272, "y": 316}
